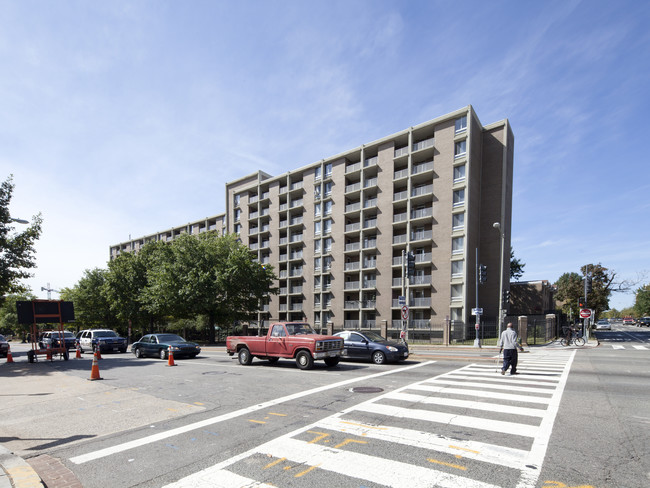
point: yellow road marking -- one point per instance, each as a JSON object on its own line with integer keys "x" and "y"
{"x": 278, "y": 414}
{"x": 278, "y": 461}
{"x": 447, "y": 464}
{"x": 256, "y": 421}
{"x": 321, "y": 435}
{"x": 366, "y": 426}
{"x": 464, "y": 449}
{"x": 311, "y": 468}
{"x": 349, "y": 441}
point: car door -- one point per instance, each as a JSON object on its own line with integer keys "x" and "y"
{"x": 145, "y": 345}
{"x": 276, "y": 343}
{"x": 357, "y": 346}
{"x": 86, "y": 341}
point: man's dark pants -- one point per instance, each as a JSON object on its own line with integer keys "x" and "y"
{"x": 510, "y": 359}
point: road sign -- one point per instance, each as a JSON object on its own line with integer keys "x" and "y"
{"x": 405, "y": 312}
{"x": 585, "y": 313}
{"x": 477, "y": 311}
{"x": 477, "y": 326}
{"x": 401, "y": 301}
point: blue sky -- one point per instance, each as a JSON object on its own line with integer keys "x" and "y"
{"x": 124, "y": 118}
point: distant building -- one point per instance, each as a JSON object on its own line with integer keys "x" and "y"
{"x": 532, "y": 298}
{"x": 336, "y": 231}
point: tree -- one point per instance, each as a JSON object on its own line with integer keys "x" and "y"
{"x": 642, "y": 301}
{"x": 516, "y": 266}
{"x": 9, "y": 315}
{"x": 16, "y": 249}
{"x": 603, "y": 283}
{"x": 209, "y": 275}
{"x": 569, "y": 288}
{"x": 91, "y": 308}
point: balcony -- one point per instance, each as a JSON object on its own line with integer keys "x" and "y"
{"x": 296, "y": 272}
{"x": 353, "y": 187}
{"x": 296, "y": 307}
{"x": 370, "y": 182}
{"x": 351, "y": 324}
{"x": 370, "y": 263}
{"x": 418, "y": 146}
{"x": 370, "y": 203}
{"x": 296, "y": 290}
{"x": 296, "y": 238}
{"x": 370, "y": 283}
{"x": 402, "y": 173}
{"x": 369, "y": 243}
{"x": 402, "y": 217}
{"x": 353, "y": 227}
{"x": 423, "y": 258}
{"x": 422, "y": 213}
{"x": 352, "y": 246}
{"x": 353, "y": 266}
{"x": 296, "y": 203}
{"x": 422, "y": 190}
{"x": 399, "y": 239}
{"x": 400, "y": 195}
{"x": 370, "y": 162}
{"x": 420, "y": 302}
{"x": 351, "y": 305}
{"x": 351, "y": 285}
{"x": 350, "y": 168}
{"x": 253, "y": 215}
{"x": 402, "y": 151}
{"x": 422, "y": 235}
{"x": 369, "y": 304}
{"x": 353, "y": 207}
{"x": 423, "y": 167}
{"x": 370, "y": 223}
{"x": 296, "y": 186}
{"x": 420, "y": 280}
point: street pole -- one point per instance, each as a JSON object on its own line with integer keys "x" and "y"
{"x": 477, "y": 341}
{"x": 497, "y": 226}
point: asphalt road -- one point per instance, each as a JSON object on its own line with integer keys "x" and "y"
{"x": 571, "y": 418}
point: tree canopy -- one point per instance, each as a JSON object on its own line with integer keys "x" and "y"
{"x": 642, "y": 301}
{"x": 17, "y": 254}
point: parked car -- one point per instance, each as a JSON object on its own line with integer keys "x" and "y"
{"x": 628, "y": 321}
{"x": 103, "y": 339}
{"x": 4, "y": 346}
{"x": 160, "y": 344}
{"x": 52, "y": 338}
{"x": 643, "y": 321}
{"x": 371, "y": 346}
{"x": 603, "y": 324}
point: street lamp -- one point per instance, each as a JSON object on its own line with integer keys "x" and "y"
{"x": 18, "y": 221}
{"x": 497, "y": 226}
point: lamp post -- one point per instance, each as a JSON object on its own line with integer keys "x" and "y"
{"x": 18, "y": 221}
{"x": 497, "y": 226}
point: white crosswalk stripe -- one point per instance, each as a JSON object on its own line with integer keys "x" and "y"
{"x": 454, "y": 424}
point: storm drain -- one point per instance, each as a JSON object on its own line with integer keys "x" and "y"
{"x": 366, "y": 389}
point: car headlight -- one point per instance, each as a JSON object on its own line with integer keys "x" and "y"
{"x": 174, "y": 348}
{"x": 391, "y": 348}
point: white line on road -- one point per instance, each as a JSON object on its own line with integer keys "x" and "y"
{"x": 221, "y": 418}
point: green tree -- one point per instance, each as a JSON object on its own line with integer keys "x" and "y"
{"x": 17, "y": 254}
{"x": 91, "y": 308}
{"x": 209, "y": 275}
{"x": 642, "y": 301}
{"x": 9, "y": 315}
{"x": 516, "y": 266}
{"x": 570, "y": 287}
{"x": 603, "y": 283}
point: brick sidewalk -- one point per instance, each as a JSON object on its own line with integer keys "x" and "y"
{"x": 53, "y": 473}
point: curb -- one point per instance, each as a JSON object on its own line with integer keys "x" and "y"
{"x": 16, "y": 472}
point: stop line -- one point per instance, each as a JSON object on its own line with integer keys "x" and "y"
{"x": 470, "y": 427}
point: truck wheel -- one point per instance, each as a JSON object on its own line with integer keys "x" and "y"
{"x": 332, "y": 361}
{"x": 244, "y": 356}
{"x": 30, "y": 356}
{"x": 304, "y": 360}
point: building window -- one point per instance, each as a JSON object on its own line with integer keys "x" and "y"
{"x": 317, "y": 173}
{"x": 458, "y": 221}
{"x": 317, "y": 283}
{"x": 456, "y": 292}
{"x": 459, "y": 173}
{"x": 328, "y": 170}
{"x": 237, "y": 198}
{"x": 237, "y": 215}
{"x": 316, "y": 264}
{"x": 328, "y": 188}
{"x": 459, "y": 198}
{"x": 457, "y": 268}
{"x": 317, "y": 246}
{"x": 317, "y": 210}
{"x": 237, "y": 228}
{"x": 327, "y": 263}
{"x": 327, "y": 226}
{"x": 328, "y": 207}
{"x": 460, "y": 148}
{"x": 461, "y": 123}
{"x": 457, "y": 245}
{"x": 317, "y": 227}
{"x": 327, "y": 282}
{"x": 327, "y": 244}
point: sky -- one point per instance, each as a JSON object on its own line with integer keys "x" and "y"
{"x": 119, "y": 119}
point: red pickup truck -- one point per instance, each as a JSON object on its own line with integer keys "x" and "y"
{"x": 294, "y": 340}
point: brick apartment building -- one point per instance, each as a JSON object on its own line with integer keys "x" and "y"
{"x": 336, "y": 231}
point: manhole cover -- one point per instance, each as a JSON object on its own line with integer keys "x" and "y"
{"x": 366, "y": 389}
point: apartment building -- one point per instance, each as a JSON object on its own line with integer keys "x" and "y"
{"x": 337, "y": 231}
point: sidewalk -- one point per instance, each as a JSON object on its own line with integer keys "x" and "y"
{"x": 46, "y": 471}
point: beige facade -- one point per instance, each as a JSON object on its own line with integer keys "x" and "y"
{"x": 336, "y": 231}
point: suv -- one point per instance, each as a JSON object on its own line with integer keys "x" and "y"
{"x": 103, "y": 339}
{"x": 52, "y": 338}
{"x": 643, "y": 321}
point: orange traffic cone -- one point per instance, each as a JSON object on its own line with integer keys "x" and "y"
{"x": 98, "y": 351}
{"x": 94, "y": 372}
{"x": 170, "y": 361}
{"x": 10, "y": 358}
{"x": 78, "y": 355}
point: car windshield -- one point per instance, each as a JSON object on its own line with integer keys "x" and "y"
{"x": 170, "y": 338}
{"x": 105, "y": 333}
{"x": 65, "y": 334}
{"x": 298, "y": 329}
{"x": 373, "y": 336}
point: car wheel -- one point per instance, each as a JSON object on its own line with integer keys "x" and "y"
{"x": 65, "y": 355}
{"x": 244, "y": 356}
{"x": 332, "y": 361}
{"x": 163, "y": 354}
{"x": 30, "y": 356}
{"x": 137, "y": 352}
{"x": 123, "y": 350}
{"x": 304, "y": 360}
{"x": 378, "y": 357}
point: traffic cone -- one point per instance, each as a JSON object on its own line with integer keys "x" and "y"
{"x": 78, "y": 355}
{"x": 98, "y": 351}
{"x": 94, "y": 372}
{"x": 170, "y": 360}
{"x": 10, "y": 358}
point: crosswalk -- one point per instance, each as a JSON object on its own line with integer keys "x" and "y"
{"x": 639, "y": 348}
{"x": 471, "y": 427}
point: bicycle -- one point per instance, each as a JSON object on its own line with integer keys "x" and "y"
{"x": 572, "y": 337}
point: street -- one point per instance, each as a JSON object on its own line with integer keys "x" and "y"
{"x": 573, "y": 417}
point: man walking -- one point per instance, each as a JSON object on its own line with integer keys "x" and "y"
{"x": 509, "y": 345}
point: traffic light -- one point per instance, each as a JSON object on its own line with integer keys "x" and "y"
{"x": 482, "y": 273}
{"x": 410, "y": 264}
{"x": 506, "y": 297}
{"x": 581, "y": 302}
{"x": 589, "y": 285}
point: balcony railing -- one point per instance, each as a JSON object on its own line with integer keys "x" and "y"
{"x": 367, "y": 224}
{"x": 352, "y": 167}
{"x": 402, "y": 151}
{"x": 420, "y": 280}
{"x": 353, "y": 246}
{"x": 423, "y": 144}
{"x": 351, "y": 304}
{"x": 371, "y": 202}
{"x": 402, "y": 217}
{"x": 353, "y": 266}
{"x": 351, "y": 285}
{"x": 402, "y": 173}
{"x": 400, "y": 195}
{"x": 352, "y": 227}
{"x": 353, "y": 187}
{"x": 421, "y": 213}
{"x": 369, "y": 283}
{"x": 370, "y": 182}
{"x": 418, "y": 236}
{"x": 422, "y": 190}
{"x": 423, "y": 167}
{"x": 353, "y": 207}
{"x": 399, "y": 239}
{"x": 370, "y": 162}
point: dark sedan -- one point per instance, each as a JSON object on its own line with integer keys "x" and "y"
{"x": 4, "y": 346}
{"x": 371, "y": 346}
{"x": 159, "y": 345}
